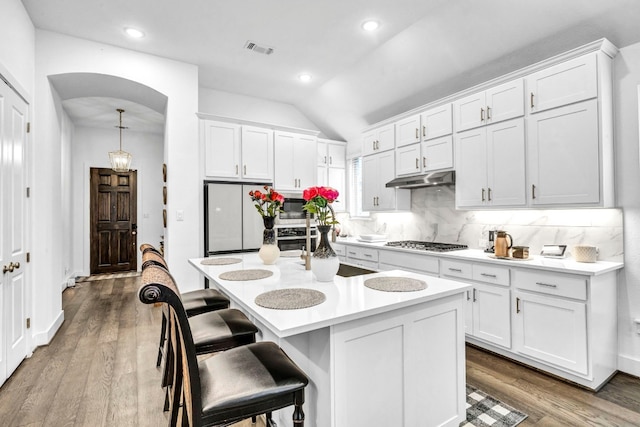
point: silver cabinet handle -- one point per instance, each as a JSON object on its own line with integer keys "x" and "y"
{"x": 424, "y": 130}
{"x": 482, "y": 114}
{"x": 325, "y": 160}
{"x": 236, "y": 169}
{"x": 417, "y": 133}
{"x": 483, "y": 194}
{"x": 368, "y": 255}
{"x": 533, "y": 191}
{"x": 531, "y": 100}
{"x": 474, "y": 295}
{"x": 517, "y": 305}
{"x": 488, "y": 111}
{"x": 417, "y": 163}
{"x": 457, "y": 270}
{"x": 488, "y": 275}
{"x": 548, "y": 285}
{"x": 245, "y": 169}
{"x": 330, "y": 160}
{"x": 489, "y": 194}
{"x": 468, "y": 296}
{"x": 424, "y": 162}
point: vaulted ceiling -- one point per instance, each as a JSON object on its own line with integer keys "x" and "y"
{"x": 423, "y": 50}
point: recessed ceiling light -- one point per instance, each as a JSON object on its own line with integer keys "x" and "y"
{"x": 370, "y": 25}
{"x": 305, "y": 78}
{"x": 133, "y": 32}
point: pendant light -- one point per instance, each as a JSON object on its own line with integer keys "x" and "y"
{"x": 120, "y": 160}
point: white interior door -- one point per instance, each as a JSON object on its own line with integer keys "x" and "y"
{"x": 13, "y": 122}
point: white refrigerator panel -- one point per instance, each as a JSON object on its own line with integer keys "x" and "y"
{"x": 224, "y": 217}
{"x": 252, "y": 221}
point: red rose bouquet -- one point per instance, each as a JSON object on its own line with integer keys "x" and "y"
{"x": 318, "y": 201}
{"x": 268, "y": 203}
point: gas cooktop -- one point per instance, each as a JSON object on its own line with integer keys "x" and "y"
{"x": 427, "y": 246}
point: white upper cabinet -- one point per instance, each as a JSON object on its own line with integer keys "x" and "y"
{"x": 378, "y": 140}
{"x": 490, "y": 166}
{"x": 257, "y": 153}
{"x": 237, "y": 152}
{"x": 564, "y": 155}
{"x": 566, "y": 83}
{"x": 408, "y": 131}
{"x": 436, "y": 122}
{"x": 295, "y": 161}
{"x": 428, "y": 156}
{"x": 331, "y": 169}
{"x": 221, "y": 149}
{"x": 494, "y": 105}
{"x": 377, "y": 170}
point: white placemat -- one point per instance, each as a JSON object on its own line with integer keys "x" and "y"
{"x": 395, "y": 284}
{"x": 240, "y": 275}
{"x": 290, "y": 299}
{"x": 220, "y": 261}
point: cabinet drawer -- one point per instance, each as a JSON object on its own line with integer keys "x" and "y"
{"x": 462, "y": 270}
{"x": 367, "y": 254}
{"x": 553, "y": 284}
{"x": 416, "y": 262}
{"x": 340, "y": 250}
{"x": 491, "y": 274}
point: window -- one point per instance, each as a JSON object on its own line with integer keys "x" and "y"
{"x": 355, "y": 188}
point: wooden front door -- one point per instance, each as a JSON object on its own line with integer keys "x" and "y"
{"x": 113, "y": 221}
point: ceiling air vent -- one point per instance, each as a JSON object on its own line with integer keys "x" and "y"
{"x": 266, "y": 50}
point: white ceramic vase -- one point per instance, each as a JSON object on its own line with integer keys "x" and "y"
{"x": 324, "y": 261}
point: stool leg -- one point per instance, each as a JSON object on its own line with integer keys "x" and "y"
{"x": 163, "y": 332}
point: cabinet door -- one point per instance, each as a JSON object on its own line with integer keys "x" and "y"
{"x": 437, "y": 154}
{"x": 505, "y": 101}
{"x": 564, "y": 155}
{"x": 321, "y": 156}
{"x": 553, "y": 330}
{"x": 336, "y": 179}
{"x": 222, "y": 149}
{"x": 257, "y": 153}
{"x": 471, "y": 168}
{"x": 304, "y": 161}
{"x": 284, "y": 173}
{"x": 469, "y": 112}
{"x": 563, "y": 84}
{"x": 506, "y": 184}
{"x": 436, "y": 122}
{"x": 386, "y": 138}
{"x": 370, "y": 182}
{"x": 408, "y": 160}
{"x": 492, "y": 314}
{"x": 369, "y": 141}
{"x": 408, "y": 131}
{"x": 337, "y": 155}
{"x": 386, "y": 172}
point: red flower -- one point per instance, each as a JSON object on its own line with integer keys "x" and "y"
{"x": 310, "y": 193}
{"x": 331, "y": 194}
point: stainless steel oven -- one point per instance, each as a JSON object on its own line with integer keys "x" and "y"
{"x": 294, "y": 237}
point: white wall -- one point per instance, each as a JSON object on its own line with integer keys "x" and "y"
{"x": 249, "y": 108}
{"x": 17, "y": 47}
{"x": 90, "y": 148}
{"x": 627, "y": 80}
{"x": 59, "y": 54}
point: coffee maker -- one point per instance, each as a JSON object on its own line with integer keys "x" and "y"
{"x": 491, "y": 242}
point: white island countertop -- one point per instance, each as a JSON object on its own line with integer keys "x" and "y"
{"x": 559, "y": 265}
{"x": 346, "y": 297}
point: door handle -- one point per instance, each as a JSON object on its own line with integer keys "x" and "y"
{"x": 517, "y": 305}
{"x": 531, "y": 100}
{"x": 482, "y": 114}
{"x": 417, "y": 133}
{"x": 8, "y": 268}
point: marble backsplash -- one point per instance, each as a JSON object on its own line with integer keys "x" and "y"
{"x": 433, "y": 217}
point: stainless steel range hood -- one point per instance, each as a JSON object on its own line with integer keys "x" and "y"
{"x": 426, "y": 180}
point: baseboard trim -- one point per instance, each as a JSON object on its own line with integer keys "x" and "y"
{"x": 45, "y": 337}
{"x": 629, "y": 365}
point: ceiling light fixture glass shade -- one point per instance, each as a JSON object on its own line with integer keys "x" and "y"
{"x": 133, "y": 32}
{"x": 120, "y": 160}
{"x": 305, "y": 78}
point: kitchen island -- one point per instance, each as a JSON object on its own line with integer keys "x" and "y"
{"x": 373, "y": 357}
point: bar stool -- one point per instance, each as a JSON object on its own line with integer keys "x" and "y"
{"x": 233, "y": 385}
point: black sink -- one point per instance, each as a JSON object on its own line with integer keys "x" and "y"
{"x": 349, "y": 271}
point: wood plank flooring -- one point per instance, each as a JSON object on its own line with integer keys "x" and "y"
{"x": 99, "y": 370}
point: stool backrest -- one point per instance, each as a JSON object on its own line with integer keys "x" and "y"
{"x": 159, "y": 286}
{"x": 153, "y": 258}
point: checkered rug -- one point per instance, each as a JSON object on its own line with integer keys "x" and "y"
{"x": 484, "y": 410}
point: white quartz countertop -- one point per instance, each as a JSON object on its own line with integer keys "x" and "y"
{"x": 346, "y": 297}
{"x": 562, "y": 265}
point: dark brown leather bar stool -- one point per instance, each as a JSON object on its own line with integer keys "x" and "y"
{"x": 195, "y": 302}
{"x": 233, "y": 385}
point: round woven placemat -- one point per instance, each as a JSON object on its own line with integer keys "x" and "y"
{"x": 220, "y": 261}
{"x": 239, "y": 275}
{"x": 395, "y": 284}
{"x": 290, "y": 299}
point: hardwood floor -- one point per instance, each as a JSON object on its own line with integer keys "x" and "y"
{"x": 99, "y": 370}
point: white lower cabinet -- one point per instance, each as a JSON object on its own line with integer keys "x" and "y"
{"x": 488, "y": 309}
{"x": 552, "y": 330}
{"x": 394, "y": 260}
{"x": 362, "y": 257}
